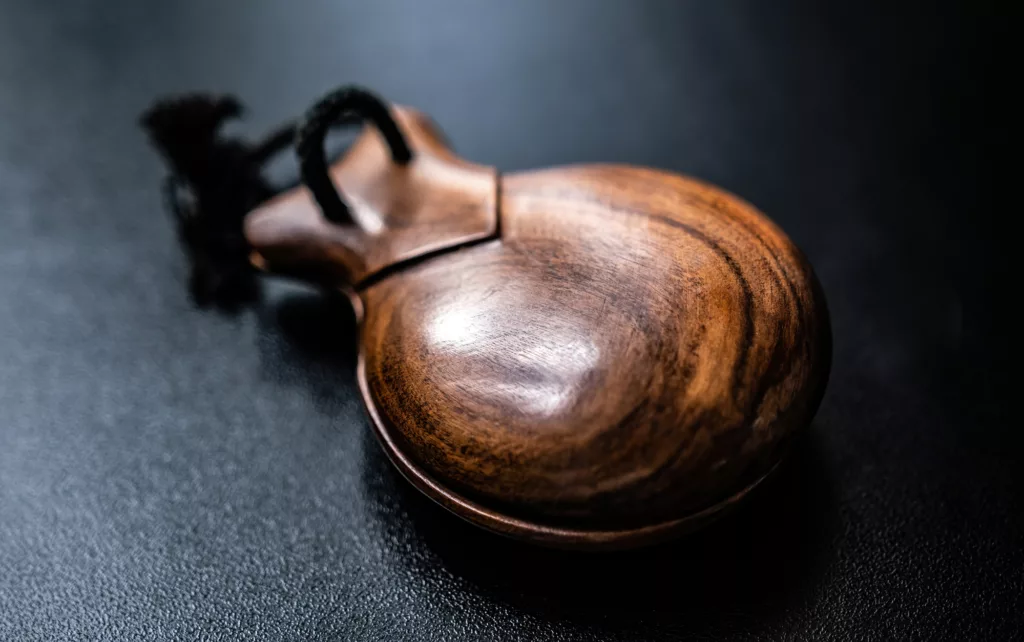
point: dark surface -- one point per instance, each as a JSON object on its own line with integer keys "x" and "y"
{"x": 167, "y": 473}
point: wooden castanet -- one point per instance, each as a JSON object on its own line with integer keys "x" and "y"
{"x": 592, "y": 356}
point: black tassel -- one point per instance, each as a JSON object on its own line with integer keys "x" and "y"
{"x": 214, "y": 182}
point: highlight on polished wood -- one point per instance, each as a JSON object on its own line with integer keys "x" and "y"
{"x": 592, "y": 356}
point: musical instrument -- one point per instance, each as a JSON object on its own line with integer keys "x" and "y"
{"x": 592, "y": 356}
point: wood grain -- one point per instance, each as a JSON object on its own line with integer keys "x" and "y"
{"x": 601, "y": 356}
{"x": 437, "y": 201}
{"x": 636, "y": 348}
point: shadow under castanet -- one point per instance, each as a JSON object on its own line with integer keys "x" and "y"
{"x": 308, "y": 338}
{"x": 755, "y": 562}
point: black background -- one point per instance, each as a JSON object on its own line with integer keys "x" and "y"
{"x": 167, "y": 473}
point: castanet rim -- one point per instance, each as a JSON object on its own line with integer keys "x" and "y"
{"x": 530, "y": 531}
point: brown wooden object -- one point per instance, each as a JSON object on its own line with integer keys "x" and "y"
{"x": 592, "y": 356}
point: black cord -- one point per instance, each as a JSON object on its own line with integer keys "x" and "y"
{"x": 274, "y": 143}
{"x": 339, "y": 107}
{"x": 215, "y": 181}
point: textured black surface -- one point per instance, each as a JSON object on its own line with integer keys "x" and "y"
{"x": 167, "y": 473}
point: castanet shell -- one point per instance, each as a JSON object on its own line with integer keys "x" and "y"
{"x": 622, "y": 357}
